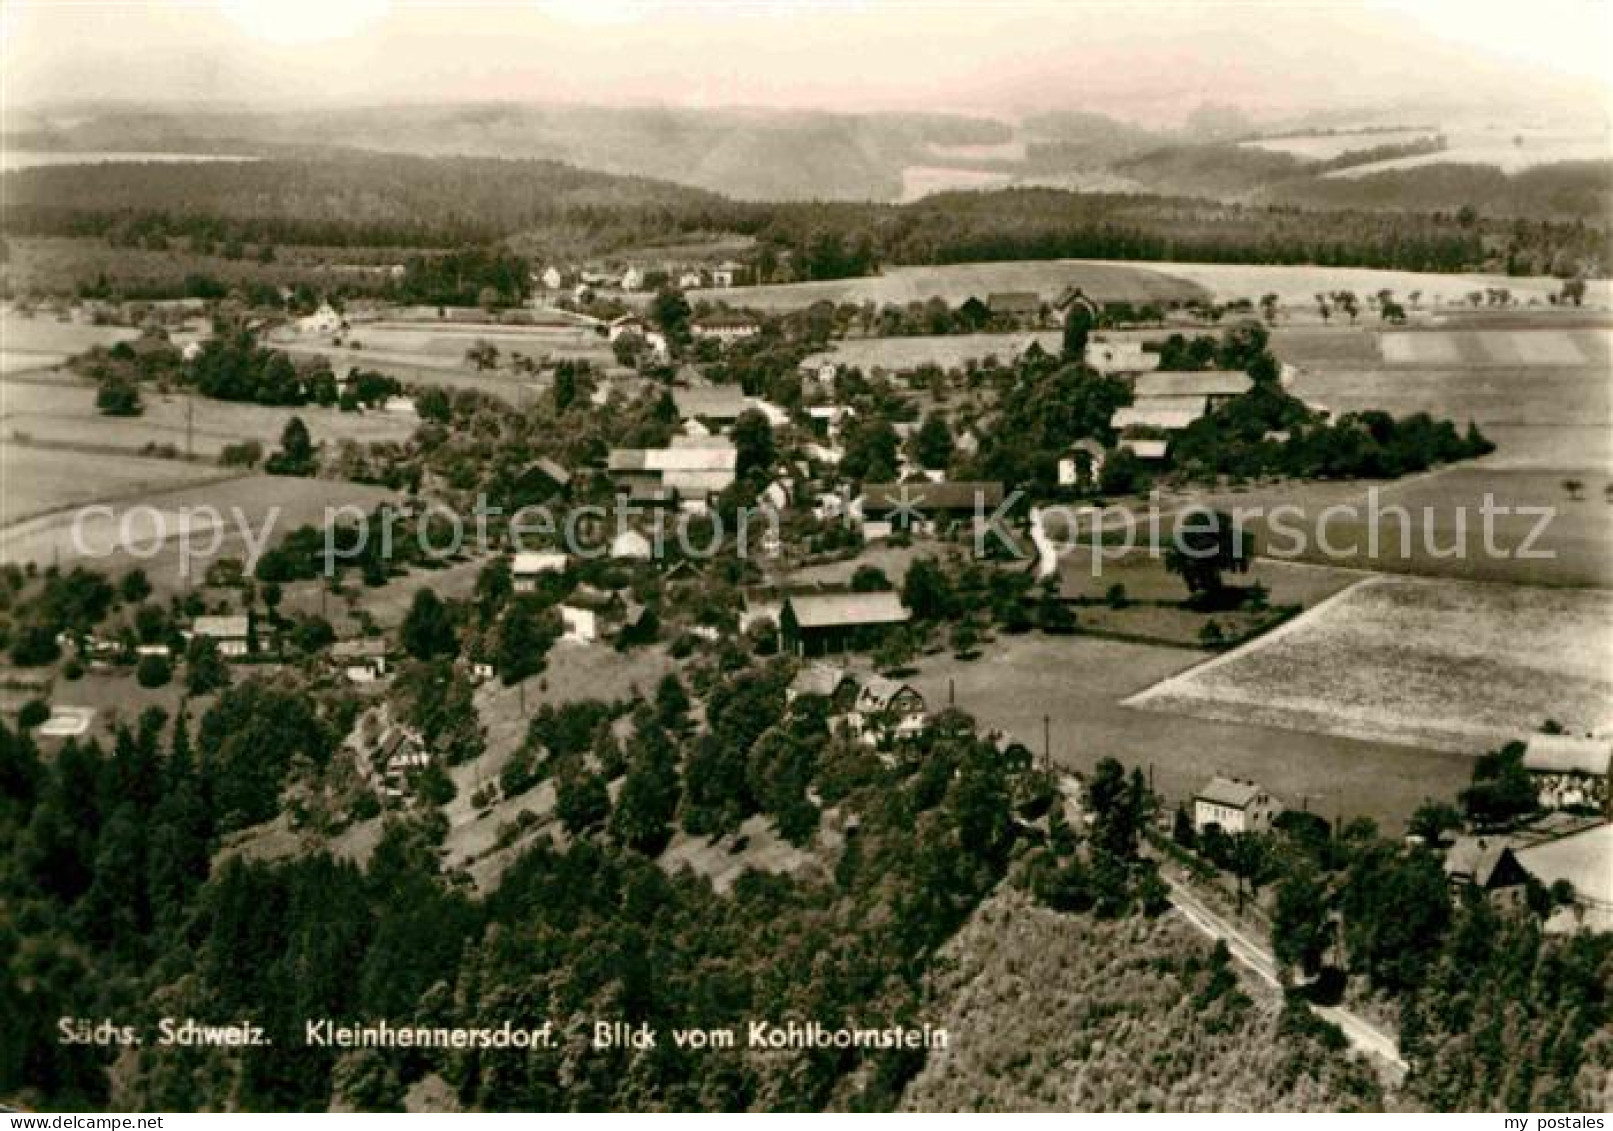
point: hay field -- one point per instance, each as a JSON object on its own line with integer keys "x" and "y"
{"x": 1445, "y": 665}
{"x": 44, "y": 340}
{"x": 256, "y": 508}
{"x": 1079, "y": 685}
{"x": 1298, "y": 286}
{"x": 1510, "y": 348}
{"x": 1106, "y": 282}
{"x": 64, "y": 413}
{"x": 36, "y": 481}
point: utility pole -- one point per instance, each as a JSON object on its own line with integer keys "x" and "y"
{"x": 952, "y": 697}
{"x": 1047, "y": 742}
{"x": 190, "y": 416}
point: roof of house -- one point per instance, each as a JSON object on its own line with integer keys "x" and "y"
{"x": 1089, "y": 445}
{"x": 364, "y": 647}
{"x": 630, "y": 544}
{"x": 717, "y": 402}
{"x": 221, "y": 627}
{"x": 1584, "y": 859}
{"x": 1476, "y": 858}
{"x": 846, "y": 610}
{"x": 1014, "y": 302}
{"x": 819, "y": 679}
{"x": 1231, "y": 792}
{"x": 1567, "y": 754}
{"x": 682, "y": 457}
{"x": 923, "y": 497}
{"x": 549, "y": 468}
{"x": 878, "y": 692}
{"x": 1169, "y": 414}
{"x": 719, "y": 321}
{"x": 1182, "y": 383}
{"x": 1147, "y": 449}
{"x": 537, "y": 561}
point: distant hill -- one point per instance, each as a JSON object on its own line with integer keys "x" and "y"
{"x": 744, "y": 154}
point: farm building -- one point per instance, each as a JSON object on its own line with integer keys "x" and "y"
{"x": 580, "y": 625}
{"x": 713, "y": 405}
{"x": 1146, "y": 449}
{"x": 1114, "y": 357}
{"x": 1216, "y": 386}
{"x": 529, "y": 565}
{"x": 1569, "y": 772}
{"x": 814, "y": 624}
{"x": 1018, "y": 307}
{"x": 325, "y": 320}
{"x": 1486, "y": 863}
{"x": 232, "y": 634}
{"x": 689, "y": 466}
{"x": 626, "y": 324}
{"x": 725, "y": 327}
{"x": 888, "y": 507}
{"x": 1235, "y": 805}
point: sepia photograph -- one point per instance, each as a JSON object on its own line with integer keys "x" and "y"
{"x": 887, "y": 556}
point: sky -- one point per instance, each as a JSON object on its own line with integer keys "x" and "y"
{"x": 1147, "y": 60}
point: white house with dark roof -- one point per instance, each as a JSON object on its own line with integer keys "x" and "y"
{"x": 526, "y": 566}
{"x": 1235, "y": 805}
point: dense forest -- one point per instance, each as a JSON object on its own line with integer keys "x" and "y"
{"x": 370, "y": 200}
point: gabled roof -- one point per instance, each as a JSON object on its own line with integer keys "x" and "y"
{"x": 819, "y": 679}
{"x": 715, "y": 402}
{"x": 1183, "y": 383}
{"x": 528, "y": 562}
{"x": 1477, "y": 858}
{"x": 878, "y": 692}
{"x": 549, "y": 468}
{"x": 926, "y": 497}
{"x": 362, "y": 648}
{"x": 1014, "y": 302}
{"x": 1231, "y": 792}
{"x": 221, "y": 627}
{"x": 846, "y": 610}
{"x": 1169, "y": 414}
{"x": 716, "y": 456}
{"x": 1567, "y": 754}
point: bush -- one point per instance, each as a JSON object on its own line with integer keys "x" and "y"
{"x": 32, "y": 713}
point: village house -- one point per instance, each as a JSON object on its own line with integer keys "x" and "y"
{"x": 632, "y": 279}
{"x": 325, "y": 320}
{"x": 730, "y": 274}
{"x": 716, "y": 406}
{"x": 232, "y": 634}
{"x": 815, "y": 624}
{"x": 552, "y": 279}
{"x": 1569, "y": 772}
{"x": 1082, "y": 463}
{"x": 579, "y": 625}
{"x": 925, "y": 507}
{"x": 527, "y": 566}
{"x": 1485, "y": 863}
{"x": 1581, "y": 859}
{"x": 725, "y": 327}
{"x": 1015, "y": 308}
{"x": 824, "y": 681}
{"x": 361, "y": 661}
{"x": 542, "y": 479}
{"x": 626, "y": 324}
{"x": 1113, "y": 357}
{"x": 399, "y": 756}
{"x": 691, "y": 280}
{"x": 887, "y": 711}
{"x": 694, "y": 467}
{"x": 1235, "y": 805}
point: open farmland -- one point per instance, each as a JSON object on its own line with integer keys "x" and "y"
{"x": 1106, "y": 282}
{"x": 1509, "y": 348}
{"x": 44, "y": 340}
{"x": 1325, "y": 146}
{"x": 949, "y": 351}
{"x": 63, "y": 412}
{"x": 1541, "y": 416}
{"x": 1444, "y": 665}
{"x": 1299, "y": 285}
{"x": 37, "y": 481}
{"x": 147, "y": 533}
{"x": 1507, "y": 147}
{"x": 1077, "y": 683}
